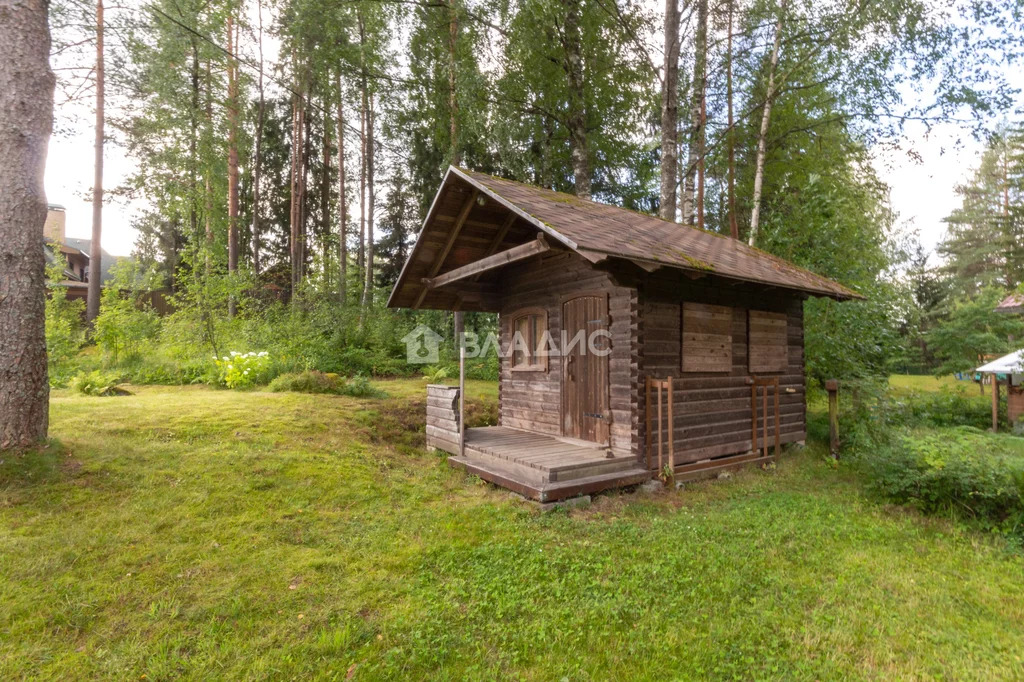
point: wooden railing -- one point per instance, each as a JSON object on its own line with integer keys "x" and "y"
{"x": 659, "y": 385}
{"x": 764, "y": 383}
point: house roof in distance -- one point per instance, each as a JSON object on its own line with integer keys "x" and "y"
{"x": 1014, "y": 303}
{"x": 597, "y": 232}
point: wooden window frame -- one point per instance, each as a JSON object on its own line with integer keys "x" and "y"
{"x": 538, "y": 363}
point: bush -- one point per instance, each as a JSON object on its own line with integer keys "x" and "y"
{"x": 307, "y": 382}
{"x": 319, "y": 382}
{"x": 962, "y": 471}
{"x": 97, "y": 383}
{"x": 359, "y": 386}
{"x": 929, "y": 450}
{"x": 244, "y": 370}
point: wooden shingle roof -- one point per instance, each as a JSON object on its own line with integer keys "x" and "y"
{"x": 594, "y": 230}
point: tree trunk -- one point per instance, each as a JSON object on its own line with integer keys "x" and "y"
{"x": 342, "y": 199}
{"x": 762, "y": 138}
{"x": 257, "y": 166}
{"x": 577, "y": 117}
{"x": 325, "y": 191}
{"x": 734, "y": 228}
{"x": 26, "y": 120}
{"x": 193, "y": 153}
{"x": 92, "y": 308}
{"x": 208, "y": 186}
{"x": 453, "y": 99}
{"x": 370, "y": 205}
{"x": 232, "y": 111}
{"x": 361, "y": 256}
{"x": 670, "y": 113}
{"x": 695, "y": 152}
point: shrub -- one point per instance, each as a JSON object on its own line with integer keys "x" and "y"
{"x": 963, "y": 471}
{"x": 307, "y": 382}
{"x": 244, "y": 370}
{"x": 359, "y": 386}
{"x": 98, "y": 383}
{"x": 319, "y": 382}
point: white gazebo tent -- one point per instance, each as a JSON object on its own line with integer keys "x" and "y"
{"x": 1012, "y": 366}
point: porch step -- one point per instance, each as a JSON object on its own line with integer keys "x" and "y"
{"x": 517, "y": 478}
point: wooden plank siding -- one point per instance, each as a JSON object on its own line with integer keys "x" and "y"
{"x": 712, "y": 415}
{"x": 532, "y": 400}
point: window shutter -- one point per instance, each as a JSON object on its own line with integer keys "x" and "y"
{"x": 767, "y": 343}
{"x": 707, "y": 338}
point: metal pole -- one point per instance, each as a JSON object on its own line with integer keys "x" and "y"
{"x": 460, "y": 335}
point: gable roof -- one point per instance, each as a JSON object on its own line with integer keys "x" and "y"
{"x": 597, "y": 232}
{"x": 1014, "y": 303}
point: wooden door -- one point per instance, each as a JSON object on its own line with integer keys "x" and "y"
{"x": 585, "y": 413}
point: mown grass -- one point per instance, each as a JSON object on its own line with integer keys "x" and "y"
{"x": 914, "y": 382}
{"x": 205, "y": 534}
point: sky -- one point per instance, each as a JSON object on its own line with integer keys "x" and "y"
{"x": 921, "y": 190}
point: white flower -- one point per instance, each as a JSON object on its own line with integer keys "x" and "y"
{"x": 233, "y": 353}
{"x": 226, "y": 358}
{"x": 245, "y": 372}
{"x": 232, "y": 366}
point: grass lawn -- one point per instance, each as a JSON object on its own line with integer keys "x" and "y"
{"x": 915, "y": 382}
{"x": 209, "y": 534}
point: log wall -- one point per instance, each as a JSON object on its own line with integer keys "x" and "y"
{"x": 712, "y": 415}
{"x": 443, "y": 418}
{"x": 532, "y": 400}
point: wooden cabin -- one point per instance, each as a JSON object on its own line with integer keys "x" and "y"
{"x": 699, "y": 363}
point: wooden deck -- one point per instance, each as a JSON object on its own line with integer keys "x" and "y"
{"x": 544, "y": 468}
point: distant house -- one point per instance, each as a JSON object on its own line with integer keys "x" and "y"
{"x": 1012, "y": 304}
{"x": 75, "y": 252}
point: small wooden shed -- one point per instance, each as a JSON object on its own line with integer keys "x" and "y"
{"x": 698, "y": 362}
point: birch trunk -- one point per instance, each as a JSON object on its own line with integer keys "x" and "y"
{"x": 762, "y": 138}
{"x": 577, "y": 118}
{"x": 232, "y": 112}
{"x": 92, "y": 307}
{"x": 453, "y": 99}
{"x": 26, "y": 120}
{"x": 257, "y": 166}
{"x": 734, "y": 228}
{"x": 670, "y": 113}
{"x": 342, "y": 199}
{"x": 370, "y": 205}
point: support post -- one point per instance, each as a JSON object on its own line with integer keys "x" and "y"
{"x": 460, "y": 335}
{"x": 995, "y": 403}
{"x": 832, "y": 386}
{"x": 671, "y": 428}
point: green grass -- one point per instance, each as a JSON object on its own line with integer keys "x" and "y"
{"x": 210, "y": 534}
{"x": 913, "y": 382}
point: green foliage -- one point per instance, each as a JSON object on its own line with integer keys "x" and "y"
{"x": 435, "y": 374}
{"x": 65, "y": 332}
{"x": 126, "y": 321}
{"x": 244, "y": 370}
{"x": 97, "y": 383}
{"x": 359, "y": 386}
{"x": 972, "y": 329}
{"x": 961, "y": 471}
{"x": 929, "y": 449}
{"x": 306, "y": 382}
